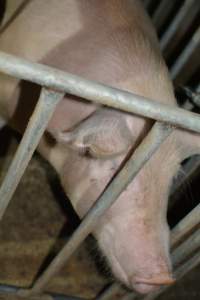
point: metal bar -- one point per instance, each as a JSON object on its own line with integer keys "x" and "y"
{"x": 97, "y": 92}
{"x": 179, "y": 273}
{"x": 36, "y": 126}
{"x": 190, "y": 168}
{"x": 176, "y": 22}
{"x": 142, "y": 154}
{"x": 190, "y": 172}
{"x": 13, "y": 290}
{"x": 161, "y": 13}
{"x": 187, "y": 248}
{"x": 186, "y": 54}
{"x": 163, "y": 5}
{"x": 111, "y": 291}
{"x": 185, "y": 226}
{"x": 15, "y": 14}
{"x": 180, "y": 232}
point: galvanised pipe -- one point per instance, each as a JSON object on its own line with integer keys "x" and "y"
{"x": 7, "y": 290}
{"x": 185, "y": 227}
{"x": 186, "y": 54}
{"x": 186, "y": 249}
{"x": 176, "y": 22}
{"x": 161, "y": 13}
{"x": 142, "y": 154}
{"x": 35, "y": 129}
{"x": 96, "y": 92}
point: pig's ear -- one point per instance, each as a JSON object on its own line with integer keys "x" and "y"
{"x": 188, "y": 143}
{"x": 104, "y": 134}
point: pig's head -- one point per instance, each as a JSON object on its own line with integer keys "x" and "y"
{"x": 133, "y": 233}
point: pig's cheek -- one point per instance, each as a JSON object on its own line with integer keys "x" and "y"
{"x": 106, "y": 237}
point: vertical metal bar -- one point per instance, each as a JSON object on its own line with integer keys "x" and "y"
{"x": 178, "y": 19}
{"x": 186, "y": 54}
{"x": 142, "y": 154}
{"x": 36, "y": 126}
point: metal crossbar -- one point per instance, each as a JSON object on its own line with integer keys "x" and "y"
{"x": 55, "y": 83}
{"x": 98, "y": 93}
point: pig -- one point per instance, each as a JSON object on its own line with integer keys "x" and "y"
{"x": 112, "y": 42}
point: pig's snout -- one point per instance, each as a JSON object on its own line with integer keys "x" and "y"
{"x": 147, "y": 285}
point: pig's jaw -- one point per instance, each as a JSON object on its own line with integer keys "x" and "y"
{"x": 142, "y": 270}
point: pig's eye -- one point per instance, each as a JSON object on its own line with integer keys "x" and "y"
{"x": 89, "y": 151}
{"x": 86, "y": 152}
{"x": 96, "y": 152}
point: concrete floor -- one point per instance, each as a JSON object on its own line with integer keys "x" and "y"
{"x": 36, "y": 225}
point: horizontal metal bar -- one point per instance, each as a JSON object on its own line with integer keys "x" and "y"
{"x": 97, "y": 92}
{"x": 36, "y": 126}
{"x": 142, "y": 154}
{"x": 10, "y": 289}
{"x": 186, "y": 54}
{"x": 176, "y": 22}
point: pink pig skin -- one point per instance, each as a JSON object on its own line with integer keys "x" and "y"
{"x": 112, "y": 42}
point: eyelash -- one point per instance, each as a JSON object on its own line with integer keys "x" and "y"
{"x": 86, "y": 152}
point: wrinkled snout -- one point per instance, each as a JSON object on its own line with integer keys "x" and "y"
{"x": 146, "y": 285}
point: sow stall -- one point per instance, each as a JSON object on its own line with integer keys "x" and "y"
{"x": 177, "y": 24}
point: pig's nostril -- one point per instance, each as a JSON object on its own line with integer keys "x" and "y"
{"x": 147, "y": 285}
{"x": 157, "y": 280}
{"x": 144, "y": 288}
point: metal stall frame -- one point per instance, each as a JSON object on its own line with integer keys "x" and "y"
{"x": 55, "y": 84}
